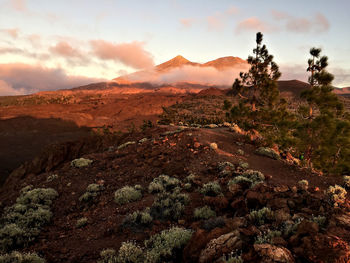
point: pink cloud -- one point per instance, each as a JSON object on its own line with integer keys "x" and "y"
{"x": 131, "y": 54}
{"x": 252, "y": 24}
{"x": 215, "y": 22}
{"x": 18, "y": 79}
{"x": 13, "y": 32}
{"x": 186, "y": 22}
{"x": 19, "y": 5}
{"x": 315, "y": 23}
{"x": 232, "y": 10}
{"x": 64, "y": 49}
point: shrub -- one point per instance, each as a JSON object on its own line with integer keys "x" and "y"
{"x": 212, "y": 223}
{"x": 81, "y": 222}
{"x": 169, "y": 205}
{"x": 166, "y": 245}
{"x": 336, "y": 194}
{"x": 243, "y": 165}
{"x": 260, "y": 217}
{"x": 347, "y": 181}
{"x": 17, "y": 257}
{"x": 211, "y": 189}
{"x": 51, "y": 177}
{"x": 138, "y": 218}
{"x": 204, "y": 212}
{"x": 191, "y": 178}
{"x": 290, "y": 228}
{"x": 22, "y": 222}
{"x": 127, "y": 194}
{"x": 267, "y": 238}
{"x": 248, "y": 177}
{"x": 187, "y": 186}
{"x": 92, "y": 191}
{"x": 268, "y": 152}
{"x": 130, "y": 252}
{"x": 125, "y": 145}
{"x": 232, "y": 258}
{"x": 320, "y": 220}
{"x": 303, "y": 185}
{"x": 108, "y": 256}
{"x": 163, "y": 183}
{"x": 81, "y": 162}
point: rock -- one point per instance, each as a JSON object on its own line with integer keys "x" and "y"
{"x": 268, "y": 152}
{"x": 213, "y": 146}
{"x": 343, "y": 220}
{"x": 81, "y": 162}
{"x": 226, "y": 124}
{"x": 236, "y": 129}
{"x": 290, "y": 159}
{"x": 254, "y": 135}
{"x": 307, "y": 228}
{"x": 211, "y": 126}
{"x": 270, "y": 253}
{"x": 222, "y": 245}
{"x": 235, "y": 189}
{"x": 255, "y": 199}
{"x": 196, "y": 145}
{"x": 278, "y": 203}
{"x": 282, "y": 215}
{"x": 281, "y": 189}
{"x": 219, "y": 202}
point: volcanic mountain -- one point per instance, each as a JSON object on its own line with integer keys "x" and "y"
{"x": 180, "y": 70}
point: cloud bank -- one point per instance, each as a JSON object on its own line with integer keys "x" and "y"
{"x": 191, "y": 74}
{"x": 131, "y": 54}
{"x": 20, "y": 79}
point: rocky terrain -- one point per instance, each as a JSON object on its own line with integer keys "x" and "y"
{"x": 181, "y": 194}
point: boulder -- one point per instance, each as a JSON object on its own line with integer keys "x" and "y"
{"x": 270, "y": 253}
{"x": 219, "y": 246}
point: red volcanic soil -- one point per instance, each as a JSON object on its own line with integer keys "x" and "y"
{"x": 178, "y": 155}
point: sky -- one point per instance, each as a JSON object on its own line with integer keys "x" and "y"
{"x": 48, "y": 45}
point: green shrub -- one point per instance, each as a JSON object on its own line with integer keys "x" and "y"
{"x": 204, "y": 212}
{"x": 248, "y": 177}
{"x": 268, "y": 152}
{"x": 138, "y": 218}
{"x": 81, "y": 162}
{"x": 232, "y": 258}
{"x": 211, "y": 189}
{"x": 81, "y": 222}
{"x": 167, "y": 245}
{"x": 260, "y": 217}
{"x": 169, "y": 205}
{"x": 320, "y": 220}
{"x": 23, "y": 221}
{"x": 127, "y": 194}
{"x": 191, "y": 178}
{"x": 92, "y": 191}
{"x": 130, "y": 252}
{"x": 336, "y": 194}
{"x": 163, "y": 183}
{"x": 290, "y": 228}
{"x": 51, "y": 177}
{"x": 267, "y": 237}
{"x": 187, "y": 186}
{"x": 108, "y": 256}
{"x": 17, "y": 257}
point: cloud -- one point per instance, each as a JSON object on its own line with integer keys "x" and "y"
{"x": 215, "y": 22}
{"x": 186, "y": 22}
{"x": 64, "y": 49}
{"x": 16, "y": 79}
{"x": 23, "y": 52}
{"x": 13, "y": 32}
{"x": 317, "y": 23}
{"x": 131, "y": 54}
{"x": 19, "y": 5}
{"x": 252, "y": 24}
{"x": 191, "y": 74}
{"x": 232, "y": 10}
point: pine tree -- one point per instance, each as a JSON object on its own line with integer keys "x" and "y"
{"x": 258, "y": 86}
{"x": 324, "y": 133}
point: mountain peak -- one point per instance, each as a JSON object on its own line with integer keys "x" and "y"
{"x": 175, "y": 62}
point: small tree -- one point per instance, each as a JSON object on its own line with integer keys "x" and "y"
{"x": 324, "y": 136}
{"x": 258, "y": 86}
